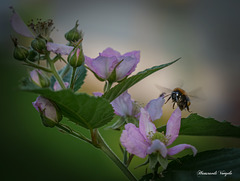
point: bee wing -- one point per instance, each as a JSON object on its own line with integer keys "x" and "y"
{"x": 197, "y": 94}
{"x": 164, "y": 89}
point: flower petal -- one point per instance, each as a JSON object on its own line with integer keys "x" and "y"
{"x": 122, "y": 105}
{"x": 173, "y": 126}
{"x": 146, "y": 126}
{"x": 134, "y": 54}
{"x": 109, "y": 52}
{"x": 97, "y": 94}
{"x": 178, "y": 148}
{"x": 59, "y": 48}
{"x": 88, "y": 62}
{"x": 35, "y": 77}
{"x": 103, "y": 66}
{"x": 133, "y": 141}
{"x": 126, "y": 67}
{"x": 57, "y": 86}
{"x": 159, "y": 146}
{"x": 154, "y": 107}
{"x": 19, "y": 26}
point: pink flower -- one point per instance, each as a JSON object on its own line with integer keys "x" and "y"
{"x": 125, "y": 106}
{"x": 146, "y": 140}
{"x": 59, "y": 48}
{"x": 111, "y": 65}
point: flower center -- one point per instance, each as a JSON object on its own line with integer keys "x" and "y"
{"x": 43, "y": 28}
{"x": 159, "y": 136}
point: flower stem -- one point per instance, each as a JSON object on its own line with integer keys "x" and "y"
{"x": 72, "y": 79}
{"x": 130, "y": 159}
{"x": 125, "y": 157}
{"x": 105, "y": 148}
{"x": 107, "y": 86}
{"x": 29, "y": 63}
{"x": 73, "y": 133}
{"x": 54, "y": 72}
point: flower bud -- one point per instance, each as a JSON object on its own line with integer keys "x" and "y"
{"x": 74, "y": 34}
{"x": 39, "y": 44}
{"x": 20, "y": 53}
{"x": 76, "y": 57}
{"x": 33, "y": 55}
{"x": 39, "y": 78}
{"x": 49, "y": 112}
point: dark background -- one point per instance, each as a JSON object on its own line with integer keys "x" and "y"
{"x": 204, "y": 33}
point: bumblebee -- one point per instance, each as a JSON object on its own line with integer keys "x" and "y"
{"x": 181, "y": 98}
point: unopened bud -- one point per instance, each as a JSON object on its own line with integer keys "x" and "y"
{"x": 74, "y": 34}
{"x": 39, "y": 78}
{"x": 49, "y": 112}
{"x": 20, "y": 53}
{"x": 33, "y": 55}
{"x": 76, "y": 57}
{"x": 39, "y": 44}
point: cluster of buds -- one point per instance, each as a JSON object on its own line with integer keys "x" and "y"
{"x": 39, "y": 31}
{"x": 75, "y": 37}
{"x": 39, "y": 49}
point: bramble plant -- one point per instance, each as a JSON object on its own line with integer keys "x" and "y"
{"x": 59, "y": 97}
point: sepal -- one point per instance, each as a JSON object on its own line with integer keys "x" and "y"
{"x": 74, "y": 34}
{"x": 155, "y": 159}
{"x": 118, "y": 125}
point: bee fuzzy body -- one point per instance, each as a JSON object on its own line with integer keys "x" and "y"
{"x": 180, "y": 97}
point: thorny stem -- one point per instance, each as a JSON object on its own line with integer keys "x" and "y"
{"x": 55, "y": 73}
{"x": 29, "y": 63}
{"x": 125, "y": 158}
{"x": 72, "y": 78}
{"x": 129, "y": 159}
{"x": 73, "y": 133}
{"x": 100, "y": 144}
{"x": 107, "y": 150}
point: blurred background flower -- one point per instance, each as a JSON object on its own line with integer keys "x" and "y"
{"x": 204, "y": 33}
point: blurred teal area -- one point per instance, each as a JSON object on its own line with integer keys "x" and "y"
{"x": 204, "y": 33}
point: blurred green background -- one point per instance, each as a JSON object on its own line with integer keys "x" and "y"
{"x": 204, "y": 33}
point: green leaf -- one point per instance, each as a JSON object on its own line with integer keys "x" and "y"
{"x": 214, "y": 161}
{"x": 199, "y": 126}
{"x": 66, "y": 73}
{"x": 88, "y": 111}
{"x": 117, "y": 90}
{"x": 80, "y": 75}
